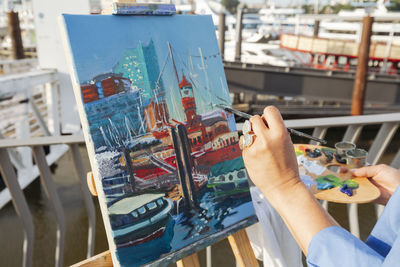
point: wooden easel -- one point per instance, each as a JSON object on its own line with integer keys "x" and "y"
{"x": 238, "y": 241}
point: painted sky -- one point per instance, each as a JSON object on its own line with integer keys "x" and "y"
{"x": 98, "y": 41}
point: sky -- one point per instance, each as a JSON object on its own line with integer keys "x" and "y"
{"x": 97, "y": 43}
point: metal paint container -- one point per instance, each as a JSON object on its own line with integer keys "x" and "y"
{"x": 356, "y": 158}
{"x": 343, "y": 147}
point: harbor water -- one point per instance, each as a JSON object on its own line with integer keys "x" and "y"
{"x": 205, "y": 220}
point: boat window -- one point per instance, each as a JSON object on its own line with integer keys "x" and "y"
{"x": 199, "y": 139}
{"x": 250, "y": 26}
{"x": 241, "y": 174}
{"x": 135, "y": 214}
{"x": 160, "y": 201}
{"x": 194, "y": 141}
{"x": 151, "y": 205}
{"x": 230, "y": 177}
{"x": 222, "y": 178}
{"x": 142, "y": 210}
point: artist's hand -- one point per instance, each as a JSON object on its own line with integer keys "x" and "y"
{"x": 382, "y": 176}
{"x": 271, "y": 161}
{"x": 272, "y": 166}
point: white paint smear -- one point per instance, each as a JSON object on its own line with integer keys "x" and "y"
{"x": 311, "y": 166}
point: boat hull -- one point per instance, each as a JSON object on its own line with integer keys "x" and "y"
{"x": 143, "y": 235}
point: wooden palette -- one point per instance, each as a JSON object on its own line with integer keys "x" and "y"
{"x": 321, "y": 166}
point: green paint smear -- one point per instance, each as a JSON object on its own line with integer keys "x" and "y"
{"x": 299, "y": 153}
{"x": 329, "y": 179}
{"x": 351, "y": 184}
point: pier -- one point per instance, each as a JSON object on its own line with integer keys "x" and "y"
{"x": 307, "y": 83}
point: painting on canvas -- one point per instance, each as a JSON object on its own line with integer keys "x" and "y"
{"x": 167, "y": 161}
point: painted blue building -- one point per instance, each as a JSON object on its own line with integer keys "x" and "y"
{"x": 115, "y": 119}
{"x": 140, "y": 65}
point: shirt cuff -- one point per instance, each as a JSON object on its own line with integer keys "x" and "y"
{"x": 334, "y": 246}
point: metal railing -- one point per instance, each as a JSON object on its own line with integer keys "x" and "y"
{"x": 20, "y": 204}
{"x": 17, "y": 66}
{"x": 29, "y": 108}
{"x": 388, "y": 123}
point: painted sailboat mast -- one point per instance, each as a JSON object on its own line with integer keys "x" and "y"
{"x": 155, "y": 91}
{"x": 128, "y": 127}
{"x": 157, "y": 106}
{"x": 175, "y": 108}
{"x": 225, "y": 89}
{"x": 118, "y": 138}
{"x": 206, "y": 75}
{"x": 141, "y": 120}
{"x": 191, "y": 61}
{"x": 108, "y": 143}
{"x": 173, "y": 62}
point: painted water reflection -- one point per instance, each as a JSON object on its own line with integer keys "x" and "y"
{"x": 213, "y": 215}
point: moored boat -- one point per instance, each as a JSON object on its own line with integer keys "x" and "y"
{"x": 228, "y": 177}
{"x": 138, "y": 219}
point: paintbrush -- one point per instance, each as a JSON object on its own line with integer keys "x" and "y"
{"x": 290, "y": 130}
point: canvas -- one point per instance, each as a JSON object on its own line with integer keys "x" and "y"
{"x": 167, "y": 163}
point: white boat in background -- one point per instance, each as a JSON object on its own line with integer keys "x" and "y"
{"x": 284, "y": 20}
{"x": 347, "y": 24}
{"x": 264, "y": 54}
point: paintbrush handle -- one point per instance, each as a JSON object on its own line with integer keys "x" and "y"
{"x": 301, "y": 134}
{"x": 292, "y": 131}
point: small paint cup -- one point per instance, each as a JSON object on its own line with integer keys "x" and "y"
{"x": 356, "y": 158}
{"x": 343, "y": 147}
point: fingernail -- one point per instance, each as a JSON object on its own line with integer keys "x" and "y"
{"x": 353, "y": 170}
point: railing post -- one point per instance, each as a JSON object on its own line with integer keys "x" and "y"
{"x": 22, "y": 131}
{"x": 319, "y": 132}
{"x": 360, "y": 81}
{"x": 52, "y": 91}
{"x": 15, "y": 156}
{"x": 316, "y": 28}
{"x": 351, "y": 135}
{"x": 20, "y": 205}
{"x": 221, "y": 33}
{"x": 38, "y": 116}
{"x": 382, "y": 139}
{"x": 396, "y": 160}
{"x": 51, "y": 192}
{"x": 87, "y": 198}
{"x": 208, "y": 257}
{"x": 239, "y": 26}
{"x": 15, "y": 34}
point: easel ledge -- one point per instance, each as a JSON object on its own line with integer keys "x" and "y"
{"x": 238, "y": 241}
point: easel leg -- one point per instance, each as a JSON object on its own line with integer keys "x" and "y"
{"x": 189, "y": 261}
{"x": 242, "y": 249}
